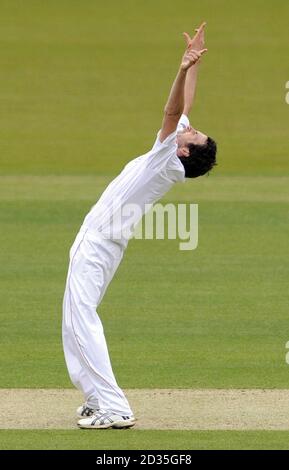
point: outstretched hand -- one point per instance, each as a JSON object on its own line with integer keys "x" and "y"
{"x": 197, "y": 42}
{"x": 191, "y": 57}
{"x": 195, "y": 47}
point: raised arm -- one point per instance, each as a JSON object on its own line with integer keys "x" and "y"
{"x": 197, "y": 43}
{"x": 175, "y": 104}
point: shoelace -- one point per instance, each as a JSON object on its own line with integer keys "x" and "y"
{"x": 87, "y": 411}
{"x": 101, "y": 416}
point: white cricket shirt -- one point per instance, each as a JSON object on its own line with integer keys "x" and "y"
{"x": 142, "y": 182}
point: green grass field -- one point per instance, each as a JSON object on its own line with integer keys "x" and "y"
{"x": 217, "y": 315}
{"x": 82, "y": 88}
{"x": 135, "y": 440}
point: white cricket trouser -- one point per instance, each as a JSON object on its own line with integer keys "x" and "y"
{"x": 93, "y": 262}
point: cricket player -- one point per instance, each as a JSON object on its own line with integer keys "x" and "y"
{"x": 179, "y": 152}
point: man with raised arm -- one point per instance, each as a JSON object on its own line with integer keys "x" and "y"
{"x": 179, "y": 152}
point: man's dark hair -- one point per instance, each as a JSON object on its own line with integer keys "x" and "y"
{"x": 201, "y": 160}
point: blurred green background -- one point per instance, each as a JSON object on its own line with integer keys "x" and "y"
{"x": 82, "y": 88}
{"x": 83, "y": 83}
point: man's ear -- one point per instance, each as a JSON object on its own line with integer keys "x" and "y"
{"x": 183, "y": 152}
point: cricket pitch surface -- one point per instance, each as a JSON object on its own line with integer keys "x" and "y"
{"x": 154, "y": 409}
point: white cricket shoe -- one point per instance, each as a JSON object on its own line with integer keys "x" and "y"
{"x": 102, "y": 419}
{"x": 85, "y": 411}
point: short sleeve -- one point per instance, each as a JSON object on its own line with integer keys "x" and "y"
{"x": 163, "y": 154}
{"x": 163, "y": 158}
{"x": 183, "y": 123}
{"x": 168, "y": 141}
{"x": 175, "y": 170}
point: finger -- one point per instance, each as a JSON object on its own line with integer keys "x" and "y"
{"x": 203, "y": 51}
{"x": 200, "y": 29}
{"x": 194, "y": 56}
{"x": 187, "y": 37}
{"x": 199, "y": 53}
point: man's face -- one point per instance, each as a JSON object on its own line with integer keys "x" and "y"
{"x": 191, "y": 136}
